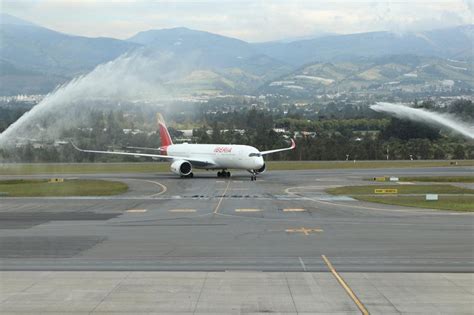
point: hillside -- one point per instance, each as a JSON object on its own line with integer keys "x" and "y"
{"x": 455, "y": 43}
{"x": 34, "y": 60}
{"x": 215, "y": 62}
{"x": 390, "y": 73}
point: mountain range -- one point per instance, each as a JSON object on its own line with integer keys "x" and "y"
{"x": 35, "y": 59}
{"x": 407, "y": 73}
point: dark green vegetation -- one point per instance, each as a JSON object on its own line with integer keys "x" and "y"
{"x": 413, "y": 196}
{"x": 456, "y": 203}
{"x": 402, "y": 189}
{"x": 441, "y": 179}
{"x": 157, "y": 167}
{"x": 308, "y": 165}
{"x": 73, "y": 187}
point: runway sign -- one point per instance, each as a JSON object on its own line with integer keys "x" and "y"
{"x": 386, "y": 191}
{"x": 432, "y": 197}
{"x": 56, "y": 180}
{"x": 379, "y": 179}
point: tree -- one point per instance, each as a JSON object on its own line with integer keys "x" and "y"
{"x": 429, "y": 104}
{"x": 462, "y": 108}
{"x": 406, "y": 130}
{"x": 439, "y": 153}
{"x": 459, "y": 152}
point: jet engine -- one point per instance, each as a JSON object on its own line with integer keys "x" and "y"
{"x": 261, "y": 170}
{"x": 181, "y": 167}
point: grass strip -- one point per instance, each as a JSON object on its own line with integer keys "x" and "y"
{"x": 455, "y": 203}
{"x": 155, "y": 167}
{"x": 74, "y": 187}
{"x": 439, "y": 179}
{"x": 402, "y": 189}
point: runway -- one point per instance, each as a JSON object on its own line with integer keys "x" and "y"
{"x": 282, "y": 222}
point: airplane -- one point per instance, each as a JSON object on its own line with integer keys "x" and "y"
{"x": 184, "y": 157}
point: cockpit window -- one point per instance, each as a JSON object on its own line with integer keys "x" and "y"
{"x": 254, "y": 154}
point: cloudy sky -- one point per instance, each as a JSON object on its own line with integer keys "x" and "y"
{"x": 250, "y": 20}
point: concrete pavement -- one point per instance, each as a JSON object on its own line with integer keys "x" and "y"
{"x": 209, "y": 245}
{"x": 233, "y": 293}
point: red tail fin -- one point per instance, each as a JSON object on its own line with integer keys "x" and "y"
{"x": 164, "y": 134}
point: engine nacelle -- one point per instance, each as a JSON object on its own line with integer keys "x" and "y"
{"x": 181, "y": 167}
{"x": 261, "y": 169}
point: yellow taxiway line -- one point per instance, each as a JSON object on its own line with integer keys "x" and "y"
{"x": 346, "y": 287}
{"x": 294, "y": 210}
{"x": 216, "y": 210}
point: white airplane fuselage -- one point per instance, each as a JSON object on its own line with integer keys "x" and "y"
{"x": 220, "y": 156}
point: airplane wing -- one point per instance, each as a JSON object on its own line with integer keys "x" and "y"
{"x": 144, "y": 148}
{"x": 194, "y": 161}
{"x": 293, "y": 145}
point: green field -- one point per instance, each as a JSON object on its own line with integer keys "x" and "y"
{"x": 74, "y": 187}
{"x": 439, "y": 179}
{"x": 307, "y": 165}
{"x": 456, "y": 203}
{"x": 81, "y": 168}
{"x": 407, "y": 196}
{"x": 150, "y": 167}
{"x": 402, "y": 189}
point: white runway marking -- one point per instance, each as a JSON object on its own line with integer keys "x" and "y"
{"x": 302, "y": 263}
{"x": 293, "y": 210}
{"x": 248, "y": 210}
{"x": 182, "y": 210}
{"x": 136, "y": 210}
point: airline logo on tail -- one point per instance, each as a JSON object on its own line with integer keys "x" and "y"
{"x": 164, "y": 134}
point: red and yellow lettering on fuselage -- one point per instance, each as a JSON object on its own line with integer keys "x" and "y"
{"x": 223, "y": 149}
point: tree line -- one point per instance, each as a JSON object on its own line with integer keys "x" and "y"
{"x": 331, "y": 133}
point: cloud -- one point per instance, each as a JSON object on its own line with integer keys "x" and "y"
{"x": 469, "y": 4}
{"x": 251, "y": 20}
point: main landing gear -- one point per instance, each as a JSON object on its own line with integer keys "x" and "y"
{"x": 253, "y": 178}
{"x": 223, "y": 174}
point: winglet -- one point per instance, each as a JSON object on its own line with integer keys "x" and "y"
{"x": 164, "y": 134}
{"x": 75, "y": 146}
{"x": 293, "y": 145}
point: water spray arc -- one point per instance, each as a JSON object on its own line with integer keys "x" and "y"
{"x": 422, "y": 115}
{"x": 136, "y": 76}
